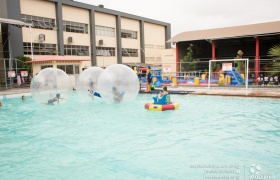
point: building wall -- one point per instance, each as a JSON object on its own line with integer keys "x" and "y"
{"x": 79, "y": 15}
{"x": 154, "y": 42}
{"x": 168, "y": 57}
{"x": 38, "y": 8}
{"x": 75, "y": 14}
{"x": 106, "y": 20}
{"x": 2, "y": 73}
{"x": 50, "y": 35}
{"x": 132, "y": 25}
{"x": 147, "y": 30}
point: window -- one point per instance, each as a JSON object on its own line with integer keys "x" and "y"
{"x": 129, "y": 52}
{"x": 74, "y": 50}
{"x": 129, "y": 34}
{"x": 39, "y": 22}
{"x": 104, "y": 31}
{"x": 105, "y": 51}
{"x": 77, "y": 70}
{"x": 69, "y": 69}
{"x": 39, "y": 48}
{"x": 75, "y": 27}
{"x": 46, "y": 66}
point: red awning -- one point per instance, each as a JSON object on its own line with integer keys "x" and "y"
{"x": 57, "y": 58}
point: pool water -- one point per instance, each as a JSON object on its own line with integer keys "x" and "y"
{"x": 207, "y": 137}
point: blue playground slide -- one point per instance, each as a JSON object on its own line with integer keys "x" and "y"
{"x": 236, "y": 78}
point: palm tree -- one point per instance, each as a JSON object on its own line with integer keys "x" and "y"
{"x": 274, "y": 52}
{"x": 189, "y": 63}
{"x": 23, "y": 63}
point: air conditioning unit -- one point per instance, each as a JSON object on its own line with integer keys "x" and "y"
{"x": 70, "y": 39}
{"x": 41, "y": 37}
{"x": 101, "y": 42}
{"x": 101, "y": 5}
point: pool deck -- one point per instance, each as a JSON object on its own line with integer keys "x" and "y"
{"x": 268, "y": 92}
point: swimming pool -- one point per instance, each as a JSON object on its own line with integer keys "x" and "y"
{"x": 207, "y": 137}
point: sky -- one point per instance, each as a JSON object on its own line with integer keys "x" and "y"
{"x": 189, "y": 15}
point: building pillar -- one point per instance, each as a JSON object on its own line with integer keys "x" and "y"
{"x": 59, "y": 24}
{"x": 213, "y": 50}
{"x": 119, "y": 40}
{"x": 177, "y": 58}
{"x": 167, "y": 35}
{"x": 142, "y": 42}
{"x": 92, "y": 38}
{"x": 257, "y": 61}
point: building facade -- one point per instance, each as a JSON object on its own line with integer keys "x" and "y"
{"x": 89, "y": 35}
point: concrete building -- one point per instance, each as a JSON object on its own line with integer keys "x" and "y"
{"x": 84, "y": 34}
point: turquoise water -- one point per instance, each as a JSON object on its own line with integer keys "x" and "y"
{"x": 208, "y": 136}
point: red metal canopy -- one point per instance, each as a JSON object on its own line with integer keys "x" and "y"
{"x": 57, "y": 58}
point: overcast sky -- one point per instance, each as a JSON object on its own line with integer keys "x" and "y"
{"x": 188, "y": 15}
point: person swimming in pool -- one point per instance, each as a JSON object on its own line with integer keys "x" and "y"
{"x": 52, "y": 101}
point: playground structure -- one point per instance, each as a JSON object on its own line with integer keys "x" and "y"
{"x": 229, "y": 78}
{"x": 219, "y": 77}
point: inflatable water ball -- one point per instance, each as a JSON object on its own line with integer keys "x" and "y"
{"x": 118, "y": 83}
{"x": 51, "y": 86}
{"x": 86, "y": 86}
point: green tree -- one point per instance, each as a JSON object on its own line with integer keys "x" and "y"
{"x": 23, "y": 63}
{"x": 274, "y": 53}
{"x": 189, "y": 63}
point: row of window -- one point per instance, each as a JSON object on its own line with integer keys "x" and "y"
{"x": 75, "y": 27}
{"x": 110, "y": 51}
{"x": 68, "y": 26}
{"x": 129, "y": 52}
{"x": 104, "y": 31}
{"x": 39, "y": 22}
{"x": 69, "y": 69}
{"x": 129, "y": 34}
{"x": 74, "y": 50}
{"x": 39, "y": 49}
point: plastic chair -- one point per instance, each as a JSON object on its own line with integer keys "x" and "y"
{"x": 165, "y": 99}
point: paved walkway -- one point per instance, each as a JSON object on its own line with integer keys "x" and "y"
{"x": 270, "y": 92}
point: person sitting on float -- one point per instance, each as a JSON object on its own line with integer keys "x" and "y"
{"x": 161, "y": 94}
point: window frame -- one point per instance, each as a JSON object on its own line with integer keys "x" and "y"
{"x": 75, "y": 27}
{"x": 105, "y": 51}
{"x": 39, "y": 48}
{"x": 76, "y": 50}
{"x": 72, "y": 68}
{"x": 129, "y": 34}
{"x": 104, "y": 31}
{"x": 128, "y": 52}
{"x": 39, "y": 22}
